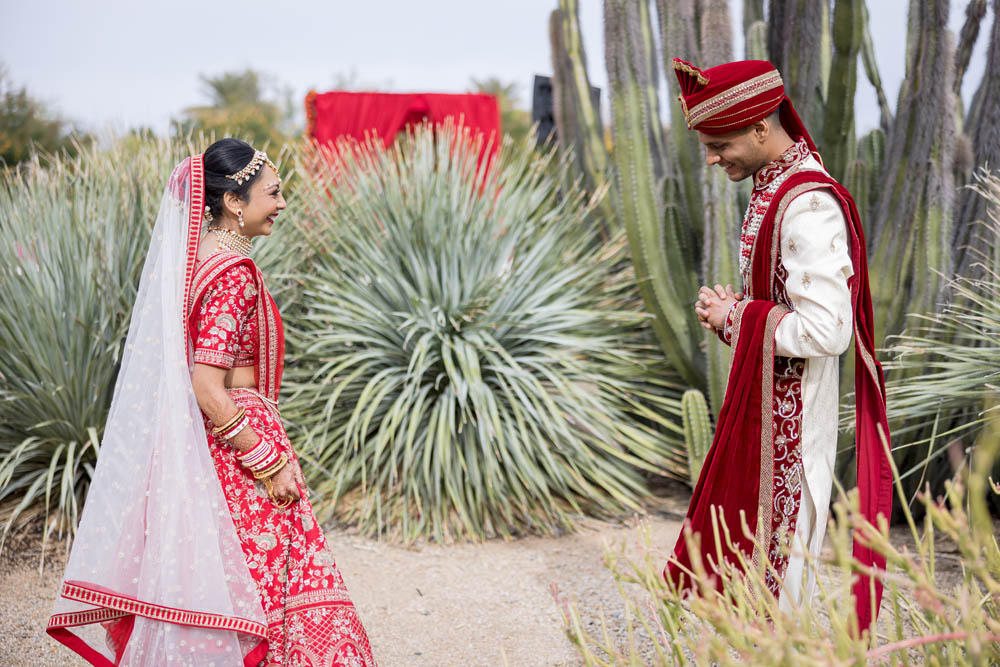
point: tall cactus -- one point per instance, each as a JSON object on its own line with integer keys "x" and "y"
{"x": 837, "y": 143}
{"x": 578, "y": 119}
{"x": 983, "y": 127}
{"x": 796, "y": 42}
{"x": 679, "y": 36}
{"x": 697, "y": 430}
{"x": 917, "y": 190}
{"x": 666, "y": 277}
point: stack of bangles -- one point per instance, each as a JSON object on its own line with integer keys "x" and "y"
{"x": 264, "y": 460}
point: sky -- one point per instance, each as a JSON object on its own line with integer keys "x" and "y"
{"x": 109, "y": 65}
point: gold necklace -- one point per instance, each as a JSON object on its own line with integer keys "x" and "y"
{"x": 230, "y": 240}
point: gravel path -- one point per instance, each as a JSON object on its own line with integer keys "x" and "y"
{"x": 464, "y": 604}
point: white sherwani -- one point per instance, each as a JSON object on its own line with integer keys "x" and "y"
{"x": 815, "y": 255}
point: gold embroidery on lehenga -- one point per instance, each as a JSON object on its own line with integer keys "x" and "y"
{"x": 226, "y": 321}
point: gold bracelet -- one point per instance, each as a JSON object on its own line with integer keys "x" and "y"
{"x": 232, "y": 420}
{"x": 240, "y": 412}
{"x": 270, "y": 472}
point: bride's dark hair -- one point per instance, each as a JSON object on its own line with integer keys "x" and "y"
{"x": 226, "y": 156}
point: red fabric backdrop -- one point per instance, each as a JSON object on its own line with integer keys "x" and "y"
{"x": 336, "y": 114}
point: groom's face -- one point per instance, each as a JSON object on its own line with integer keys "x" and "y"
{"x": 737, "y": 153}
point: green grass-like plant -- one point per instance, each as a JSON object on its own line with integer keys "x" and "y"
{"x": 467, "y": 358}
{"x": 73, "y": 238}
{"x": 922, "y": 621}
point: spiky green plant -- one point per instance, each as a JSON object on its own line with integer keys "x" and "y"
{"x": 461, "y": 365}
{"x": 923, "y": 621}
{"x": 946, "y": 366}
{"x": 72, "y": 243}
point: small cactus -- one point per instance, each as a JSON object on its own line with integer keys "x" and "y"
{"x": 697, "y": 430}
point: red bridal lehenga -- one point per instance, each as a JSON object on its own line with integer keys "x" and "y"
{"x": 181, "y": 557}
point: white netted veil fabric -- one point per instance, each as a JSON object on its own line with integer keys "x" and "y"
{"x": 156, "y": 559}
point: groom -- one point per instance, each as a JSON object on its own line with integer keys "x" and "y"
{"x": 805, "y": 293}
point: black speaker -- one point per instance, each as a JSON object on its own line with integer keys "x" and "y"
{"x": 541, "y": 107}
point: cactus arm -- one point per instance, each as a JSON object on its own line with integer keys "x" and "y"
{"x": 871, "y": 71}
{"x": 838, "y": 143}
{"x": 974, "y": 13}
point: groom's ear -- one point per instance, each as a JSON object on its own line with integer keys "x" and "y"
{"x": 761, "y": 130}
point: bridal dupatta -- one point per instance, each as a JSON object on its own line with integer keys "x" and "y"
{"x": 156, "y": 560}
{"x": 738, "y": 475}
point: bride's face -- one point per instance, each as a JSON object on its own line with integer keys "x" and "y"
{"x": 264, "y": 204}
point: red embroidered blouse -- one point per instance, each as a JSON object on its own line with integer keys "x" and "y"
{"x": 226, "y": 321}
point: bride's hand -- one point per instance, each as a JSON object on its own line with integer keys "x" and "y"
{"x": 284, "y": 486}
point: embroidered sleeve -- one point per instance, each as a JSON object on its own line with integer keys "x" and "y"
{"x": 726, "y": 332}
{"x": 815, "y": 254}
{"x": 227, "y": 307}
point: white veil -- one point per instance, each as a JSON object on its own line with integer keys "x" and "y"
{"x": 156, "y": 559}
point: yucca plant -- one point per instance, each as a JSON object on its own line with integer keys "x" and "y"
{"x": 72, "y": 241}
{"x": 466, "y": 360}
{"x": 948, "y": 362}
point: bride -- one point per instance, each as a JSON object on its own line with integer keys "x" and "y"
{"x": 198, "y": 545}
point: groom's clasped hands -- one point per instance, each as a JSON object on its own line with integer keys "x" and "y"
{"x": 713, "y": 305}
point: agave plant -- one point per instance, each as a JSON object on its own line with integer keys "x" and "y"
{"x": 72, "y": 243}
{"x": 462, "y": 365}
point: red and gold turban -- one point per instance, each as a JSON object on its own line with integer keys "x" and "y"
{"x": 730, "y": 97}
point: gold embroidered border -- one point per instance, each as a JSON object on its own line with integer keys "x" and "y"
{"x": 267, "y": 351}
{"x": 693, "y": 71}
{"x": 737, "y": 321}
{"x": 743, "y": 112}
{"x": 869, "y": 360}
{"x": 204, "y": 355}
{"x": 733, "y": 96}
{"x": 765, "y": 494}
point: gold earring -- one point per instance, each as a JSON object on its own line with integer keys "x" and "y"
{"x": 239, "y": 214}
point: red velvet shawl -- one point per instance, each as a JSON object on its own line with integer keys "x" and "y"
{"x": 735, "y": 476}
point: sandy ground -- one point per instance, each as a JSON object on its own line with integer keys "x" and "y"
{"x": 486, "y": 604}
